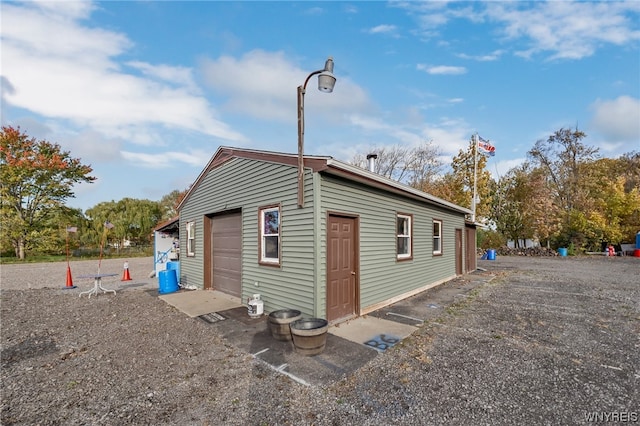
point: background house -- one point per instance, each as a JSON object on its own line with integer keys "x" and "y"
{"x": 360, "y": 242}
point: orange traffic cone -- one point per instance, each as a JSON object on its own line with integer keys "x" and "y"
{"x": 69, "y": 279}
{"x": 125, "y": 273}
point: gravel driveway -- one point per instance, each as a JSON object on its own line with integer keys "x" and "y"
{"x": 547, "y": 341}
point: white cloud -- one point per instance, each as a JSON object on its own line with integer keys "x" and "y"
{"x": 168, "y": 159}
{"x": 67, "y": 8}
{"x": 92, "y": 147}
{"x": 263, "y": 85}
{"x": 493, "y": 56}
{"x": 314, "y": 11}
{"x": 382, "y": 29}
{"x": 569, "y": 30}
{"x": 617, "y": 120}
{"x": 175, "y": 76}
{"x": 430, "y": 16}
{"x": 565, "y": 29}
{"x": 450, "y": 135}
{"x": 350, "y": 8}
{"x": 75, "y": 76}
{"x": 500, "y": 168}
{"x": 441, "y": 69}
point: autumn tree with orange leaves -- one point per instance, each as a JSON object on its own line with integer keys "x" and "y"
{"x": 36, "y": 177}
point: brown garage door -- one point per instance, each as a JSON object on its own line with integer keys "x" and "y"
{"x": 226, "y": 243}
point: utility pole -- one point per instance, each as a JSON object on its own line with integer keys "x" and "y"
{"x": 474, "y": 138}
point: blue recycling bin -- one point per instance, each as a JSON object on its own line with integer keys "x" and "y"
{"x": 175, "y": 265}
{"x": 168, "y": 281}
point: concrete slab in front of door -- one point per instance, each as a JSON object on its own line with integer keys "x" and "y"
{"x": 375, "y": 332}
{"x": 199, "y": 302}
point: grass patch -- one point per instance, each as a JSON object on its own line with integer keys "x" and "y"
{"x": 62, "y": 258}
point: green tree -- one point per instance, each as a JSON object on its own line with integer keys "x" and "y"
{"x": 627, "y": 169}
{"x": 133, "y": 220}
{"x": 521, "y": 206}
{"x": 546, "y": 215}
{"x": 449, "y": 187}
{"x": 628, "y": 165}
{"x": 36, "y": 177}
{"x": 565, "y": 160}
{"x": 51, "y": 238}
{"x": 463, "y": 170}
{"x": 169, "y": 203}
{"x": 614, "y": 205}
{"x": 563, "y": 156}
{"x": 510, "y": 202}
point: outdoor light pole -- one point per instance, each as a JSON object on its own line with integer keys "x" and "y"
{"x": 326, "y": 81}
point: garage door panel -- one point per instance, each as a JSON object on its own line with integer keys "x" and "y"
{"x": 227, "y": 253}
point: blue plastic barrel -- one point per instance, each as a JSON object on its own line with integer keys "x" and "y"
{"x": 638, "y": 241}
{"x": 168, "y": 281}
{"x": 491, "y": 254}
{"x": 176, "y": 267}
{"x": 563, "y": 251}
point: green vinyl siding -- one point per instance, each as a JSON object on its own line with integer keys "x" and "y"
{"x": 247, "y": 185}
{"x": 382, "y": 277}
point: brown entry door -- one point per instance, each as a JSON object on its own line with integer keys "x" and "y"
{"x": 342, "y": 268}
{"x": 470, "y": 250}
{"x": 226, "y": 244}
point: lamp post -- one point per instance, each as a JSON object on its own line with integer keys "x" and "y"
{"x": 326, "y": 81}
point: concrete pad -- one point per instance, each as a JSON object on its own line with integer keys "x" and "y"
{"x": 371, "y": 331}
{"x": 340, "y": 357}
{"x": 199, "y": 302}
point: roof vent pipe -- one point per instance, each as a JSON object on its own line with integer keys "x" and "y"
{"x": 371, "y": 158}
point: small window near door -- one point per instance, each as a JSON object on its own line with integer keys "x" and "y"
{"x": 191, "y": 239}
{"x": 270, "y": 235}
{"x": 437, "y": 237}
{"x": 404, "y": 236}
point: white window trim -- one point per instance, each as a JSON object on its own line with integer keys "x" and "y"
{"x": 191, "y": 239}
{"x": 409, "y": 254}
{"x": 438, "y": 237}
{"x": 263, "y": 258}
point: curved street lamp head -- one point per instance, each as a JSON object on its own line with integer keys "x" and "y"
{"x": 326, "y": 79}
{"x": 326, "y": 82}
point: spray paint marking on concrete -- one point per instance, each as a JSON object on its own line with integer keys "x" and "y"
{"x": 382, "y": 342}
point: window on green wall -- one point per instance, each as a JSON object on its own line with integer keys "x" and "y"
{"x": 404, "y": 230}
{"x": 437, "y": 237}
{"x": 269, "y": 243}
{"x": 191, "y": 239}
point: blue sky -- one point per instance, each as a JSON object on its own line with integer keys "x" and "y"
{"x": 146, "y": 91}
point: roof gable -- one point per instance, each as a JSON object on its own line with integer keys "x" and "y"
{"x": 321, "y": 164}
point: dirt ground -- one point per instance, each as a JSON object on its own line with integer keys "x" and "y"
{"x": 547, "y": 341}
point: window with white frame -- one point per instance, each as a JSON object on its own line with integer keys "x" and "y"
{"x": 270, "y": 235}
{"x": 191, "y": 239}
{"x": 437, "y": 237}
{"x": 404, "y": 229}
